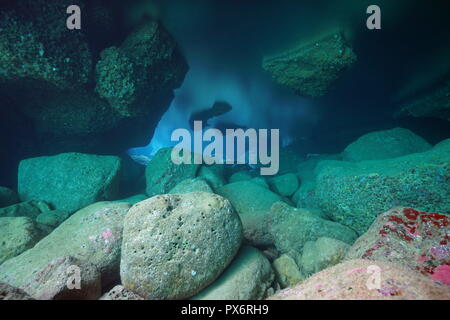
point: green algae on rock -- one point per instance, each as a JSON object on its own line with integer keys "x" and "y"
{"x": 252, "y": 202}
{"x": 92, "y": 234}
{"x": 310, "y": 69}
{"x": 248, "y": 277}
{"x": 385, "y": 144}
{"x": 162, "y": 174}
{"x": 17, "y": 234}
{"x": 176, "y": 245}
{"x": 292, "y": 227}
{"x": 69, "y": 181}
{"x": 355, "y": 193}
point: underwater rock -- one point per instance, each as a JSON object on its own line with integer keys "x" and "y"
{"x": 248, "y": 277}
{"x": 417, "y": 240}
{"x": 69, "y": 181}
{"x": 213, "y": 174}
{"x": 385, "y": 144}
{"x": 162, "y": 174}
{"x": 51, "y": 283}
{"x": 311, "y": 68}
{"x": 31, "y": 209}
{"x": 292, "y": 227}
{"x": 52, "y": 218}
{"x": 260, "y": 181}
{"x": 176, "y": 245}
{"x": 252, "y": 202}
{"x": 287, "y": 271}
{"x": 92, "y": 234}
{"x": 119, "y": 292}
{"x": 8, "y": 292}
{"x": 285, "y": 185}
{"x": 355, "y": 193}
{"x": 17, "y": 234}
{"x": 47, "y": 71}
{"x": 354, "y": 280}
{"x": 321, "y": 254}
{"x": 191, "y": 185}
{"x": 126, "y": 76}
{"x": 435, "y": 103}
{"x": 243, "y": 175}
{"x": 8, "y": 197}
{"x": 306, "y": 171}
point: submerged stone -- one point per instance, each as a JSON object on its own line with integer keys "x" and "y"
{"x": 287, "y": 271}
{"x": 119, "y": 292}
{"x": 284, "y": 185}
{"x": 31, "y": 209}
{"x": 385, "y": 144}
{"x": 248, "y": 277}
{"x": 92, "y": 234}
{"x": 191, "y": 185}
{"x": 176, "y": 245}
{"x": 69, "y": 181}
{"x": 8, "y": 197}
{"x": 417, "y": 240}
{"x": 310, "y": 69}
{"x": 354, "y": 280}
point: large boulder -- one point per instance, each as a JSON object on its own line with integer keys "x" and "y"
{"x": 417, "y": 240}
{"x": 248, "y": 277}
{"x": 311, "y": 68}
{"x": 92, "y": 234}
{"x": 386, "y": 144}
{"x": 176, "y": 245}
{"x": 162, "y": 174}
{"x": 355, "y": 193}
{"x": 213, "y": 174}
{"x": 65, "y": 278}
{"x": 74, "y": 101}
{"x": 321, "y": 254}
{"x": 292, "y": 227}
{"x": 16, "y": 236}
{"x": 69, "y": 181}
{"x": 8, "y": 197}
{"x": 358, "y": 280}
{"x": 252, "y": 202}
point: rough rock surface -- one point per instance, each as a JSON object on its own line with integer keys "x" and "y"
{"x": 252, "y": 202}
{"x": 176, "y": 245}
{"x": 434, "y": 104}
{"x": 58, "y": 281}
{"x": 42, "y": 61}
{"x": 119, "y": 292}
{"x": 213, "y": 174}
{"x": 417, "y": 240}
{"x": 191, "y": 185}
{"x": 355, "y": 193}
{"x": 285, "y": 185}
{"x": 8, "y": 197}
{"x": 287, "y": 271}
{"x": 321, "y": 254}
{"x": 69, "y": 181}
{"x": 8, "y": 292}
{"x": 357, "y": 280}
{"x": 92, "y": 234}
{"x": 17, "y": 234}
{"x": 291, "y": 228}
{"x": 31, "y": 209}
{"x": 248, "y": 277}
{"x": 310, "y": 69}
{"x": 162, "y": 174}
{"x": 52, "y": 218}
{"x": 385, "y": 144}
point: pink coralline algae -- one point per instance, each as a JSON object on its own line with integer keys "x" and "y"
{"x": 442, "y": 274}
{"x": 418, "y": 240}
{"x": 107, "y": 234}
